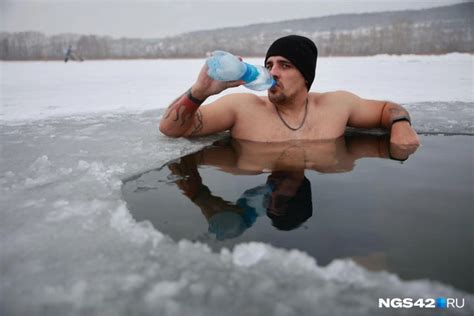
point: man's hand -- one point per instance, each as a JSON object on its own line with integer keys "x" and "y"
{"x": 205, "y": 86}
{"x": 403, "y": 140}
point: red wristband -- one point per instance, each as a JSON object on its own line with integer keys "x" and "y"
{"x": 190, "y": 106}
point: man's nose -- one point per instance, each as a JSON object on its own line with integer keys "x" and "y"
{"x": 275, "y": 72}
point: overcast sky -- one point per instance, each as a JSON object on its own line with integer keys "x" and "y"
{"x": 159, "y": 18}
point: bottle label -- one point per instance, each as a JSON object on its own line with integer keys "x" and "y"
{"x": 250, "y": 74}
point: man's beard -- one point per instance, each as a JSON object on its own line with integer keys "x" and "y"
{"x": 278, "y": 98}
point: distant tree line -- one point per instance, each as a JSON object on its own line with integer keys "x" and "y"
{"x": 401, "y": 36}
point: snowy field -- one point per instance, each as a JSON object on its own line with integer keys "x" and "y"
{"x": 68, "y": 245}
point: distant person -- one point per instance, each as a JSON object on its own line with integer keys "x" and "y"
{"x": 71, "y": 54}
{"x": 290, "y": 111}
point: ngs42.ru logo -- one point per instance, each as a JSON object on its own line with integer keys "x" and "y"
{"x": 408, "y": 302}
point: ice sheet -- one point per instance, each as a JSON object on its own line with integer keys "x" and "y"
{"x": 69, "y": 246}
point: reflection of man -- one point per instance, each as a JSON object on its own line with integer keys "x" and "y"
{"x": 290, "y": 204}
{"x": 285, "y": 198}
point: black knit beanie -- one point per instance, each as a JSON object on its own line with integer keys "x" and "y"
{"x": 300, "y": 50}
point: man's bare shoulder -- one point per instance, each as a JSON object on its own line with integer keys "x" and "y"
{"x": 243, "y": 101}
{"x": 333, "y": 96}
{"x": 339, "y": 99}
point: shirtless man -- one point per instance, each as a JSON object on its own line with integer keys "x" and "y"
{"x": 290, "y": 111}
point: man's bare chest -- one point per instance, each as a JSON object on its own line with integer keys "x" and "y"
{"x": 267, "y": 126}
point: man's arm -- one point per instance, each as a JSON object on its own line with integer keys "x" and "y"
{"x": 191, "y": 185}
{"x": 365, "y": 113}
{"x": 184, "y": 117}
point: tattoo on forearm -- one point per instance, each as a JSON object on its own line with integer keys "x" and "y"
{"x": 182, "y": 109}
{"x": 170, "y": 107}
{"x": 198, "y": 123}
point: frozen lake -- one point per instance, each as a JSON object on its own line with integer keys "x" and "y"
{"x": 72, "y": 132}
{"x": 35, "y": 90}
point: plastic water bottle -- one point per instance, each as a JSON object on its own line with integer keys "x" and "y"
{"x": 224, "y": 66}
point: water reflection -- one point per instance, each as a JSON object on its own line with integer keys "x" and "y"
{"x": 286, "y": 196}
{"x": 333, "y": 199}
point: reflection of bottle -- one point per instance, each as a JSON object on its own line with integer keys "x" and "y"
{"x": 224, "y": 66}
{"x": 256, "y": 199}
{"x": 229, "y": 224}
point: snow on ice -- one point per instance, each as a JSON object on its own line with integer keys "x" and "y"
{"x": 71, "y": 133}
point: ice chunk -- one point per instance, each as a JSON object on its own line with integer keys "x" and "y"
{"x": 247, "y": 255}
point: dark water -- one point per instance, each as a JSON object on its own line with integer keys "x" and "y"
{"x": 332, "y": 199}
